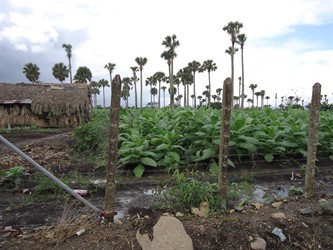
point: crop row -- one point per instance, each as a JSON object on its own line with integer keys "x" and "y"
{"x": 170, "y": 138}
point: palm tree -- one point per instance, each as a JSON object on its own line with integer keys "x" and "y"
{"x": 171, "y": 42}
{"x": 262, "y": 94}
{"x": 267, "y": 98}
{"x": 241, "y": 38}
{"x": 214, "y": 97}
{"x": 163, "y": 88}
{"x": 253, "y": 87}
{"x": 141, "y": 61}
{"x": 60, "y": 71}
{"x": 194, "y": 66}
{"x": 150, "y": 82}
{"x": 95, "y": 91}
{"x": 209, "y": 65}
{"x": 153, "y": 92}
{"x": 249, "y": 101}
{"x": 158, "y": 77}
{"x": 125, "y": 92}
{"x": 233, "y": 29}
{"x": 193, "y": 97}
{"x": 31, "y": 72}
{"x": 83, "y": 75}
{"x": 110, "y": 67}
{"x": 68, "y": 49}
{"x": 219, "y": 92}
{"x": 257, "y": 95}
{"x": 134, "y": 79}
{"x": 103, "y": 83}
{"x": 239, "y": 87}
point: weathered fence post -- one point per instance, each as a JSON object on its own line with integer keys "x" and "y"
{"x": 313, "y": 139}
{"x": 110, "y": 188}
{"x": 224, "y": 135}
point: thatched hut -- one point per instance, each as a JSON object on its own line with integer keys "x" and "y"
{"x": 44, "y": 105}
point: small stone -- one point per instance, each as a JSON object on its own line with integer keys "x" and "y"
{"x": 117, "y": 221}
{"x": 179, "y": 214}
{"x": 278, "y": 215}
{"x": 278, "y": 232}
{"x": 327, "y": 207}
{"x": 259, "y": 244}
{"x": 239, "y": 209}
{"x": 257, "y": 205}
{"x": 305, "y": 211}
{"x": 166, "y": 214}
{"x": 146, "y": 217}
{"x": 277, "y": 204}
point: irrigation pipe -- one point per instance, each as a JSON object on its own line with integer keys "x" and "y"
{"x": 51, "y": 176}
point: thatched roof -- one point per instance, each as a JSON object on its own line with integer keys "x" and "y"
{"x": 57, "y": 99}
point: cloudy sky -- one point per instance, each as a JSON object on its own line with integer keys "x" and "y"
{"x": 289, "y": 43}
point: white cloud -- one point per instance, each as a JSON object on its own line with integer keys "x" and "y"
{"x": 120, "y": 31}
{"x": 21, "y": 46}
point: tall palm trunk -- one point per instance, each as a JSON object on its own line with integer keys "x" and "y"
{"x": 103, "y": 98}
{"x": 209, "y": 88}
{"x": 135, "y": 95}
{"x": 242, "y": 58}
{"x": 141, "y": 87}
{"x": 232, "y": 68}
{"x": 159, "y": 93}
{"x": 172, "y": 95}
{"x": 185, "y": 97}
{"x": 70, "y": 69}
{"x": 195, "y": 97}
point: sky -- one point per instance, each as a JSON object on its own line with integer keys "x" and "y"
{"x": 289, "y": 44}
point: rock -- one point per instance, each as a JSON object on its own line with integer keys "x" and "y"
{"x": 179, "y": 214}
{"x": 257, "y": 205}
{"x": 146, "y": 217}
{"x": 305, "y": 211}
{"x": 327, "y": 207}
{"x": 239, "y": 209}
{"x": 259, "y": 244}
{"x": 168, "y": 234}
{"x": 277, "y": 204}
{"x": 202, "y": 211}
{"x": 278, "y": 215}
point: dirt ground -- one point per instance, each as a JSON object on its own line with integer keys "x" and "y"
{"x": 55, "y": 223}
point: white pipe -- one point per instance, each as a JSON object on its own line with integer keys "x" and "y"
{"x": 51, "y": 176}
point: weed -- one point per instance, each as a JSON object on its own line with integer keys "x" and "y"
{"x": 13, "y": 176}
{"x": 296, "y": 190}
{"x": 248, "y": 176}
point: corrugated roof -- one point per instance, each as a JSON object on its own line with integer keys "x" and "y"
{"x": 24, "y": 101}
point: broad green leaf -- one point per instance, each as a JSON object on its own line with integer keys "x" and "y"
{"x": 269, "y": 157}
{"x": 200, "y": 133}
{"x": 288, "y": 144}
{"x": 149, "y": 161}
{"x": 139, "y": 170}
{"x": 248, "y": 146}
{"x": 206, "y": 153}
{"x": 175, "y": 156}
{"x": 162, "y": 147}
{"x": 249, "y": 139}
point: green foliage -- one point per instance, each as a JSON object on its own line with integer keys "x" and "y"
{"x": 295, "y": 190}
{"x": 171, "y": 138}
{"x": 189, "y": 192}
{"x": 13, "y": 176}
{"x": 46, "y": 187}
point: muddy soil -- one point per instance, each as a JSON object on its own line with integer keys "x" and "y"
{"x": 53, "y": 221}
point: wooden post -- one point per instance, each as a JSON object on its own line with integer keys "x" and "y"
{"x": 313, "y": 139}
{"x": 224, "y": 134}
{"x": 110, "y": 188}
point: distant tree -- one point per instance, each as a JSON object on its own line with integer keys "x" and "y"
{"x": 262, "y": 95}
{"x": 95, "y": 91}
{"x": 110, "y": 67}
{"x": 171, "y": 43}
{"x": 158, "y": 77}
{"x": 214, "y": 97}
{"x": 267, "y": 98}
{"x": 31, "y": 72}
{"x": 134, "y": 80}
{"x": 141, "y": 61}
{"x": 83, "y": 75}
{"x": 60, "y": 71}
{"x": 125, "y": 92}
{"x": 233, "y": 29}
{"x": 103, "y": 83}
{"x": 241, "y": 39}
{"x": 163, "y": 89}
{"x": 219, "y": 92}
{"x": 253, "y": 87}
{"x": 68, "y": 49}
{"x": 150, "y": 83}
{"x": 249, "y": 101}
{"x": 257, "y": 94}
{"x": 209, "y": 65}
{"x": 153, "y": 92}
{"x": 195, "y": 66}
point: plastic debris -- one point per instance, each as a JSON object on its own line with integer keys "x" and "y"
{"x": 81, "y": 192}
{"x": 278, "y": 232}
{"x": 81, "y": 231}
